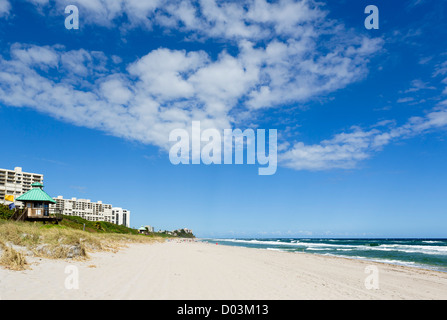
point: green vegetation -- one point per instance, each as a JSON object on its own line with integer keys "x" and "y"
{"x": 5, "y": 213}
{"x": 78, "y": 223}
{"x": 75, "y": 222}
{"x": 72, "y": 238}
{"x": 19, "y": 239}
{"x": 183, "y": 234}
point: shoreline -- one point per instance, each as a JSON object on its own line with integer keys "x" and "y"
{"x": 410, "y": 264}
{"x": 328, "y": 255}
{"x": 365, "y": 260}
{"x": 194, "y": 270}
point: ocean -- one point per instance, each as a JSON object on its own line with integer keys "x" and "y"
{"x": 419, "y": 253}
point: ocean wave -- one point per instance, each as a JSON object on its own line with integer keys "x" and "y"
{"x": 327, "y": 246}
{"x": 388, "y": 261}
{"x": 259, "y": 242}
{"x": 431, "y": 254}
{"x": 432, "y": 250}
{"x": 428, "y": 249}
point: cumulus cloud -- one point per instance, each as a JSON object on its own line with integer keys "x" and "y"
{"x": 280, "y": 59}
{"x": 211, "y": 18}
{"x": 131, "y": 105}
{"x": 417, "y": 85}
{"x": 345, "y": 150}
{"x": 168, "y": 89}
{"x": 5, "y": 8}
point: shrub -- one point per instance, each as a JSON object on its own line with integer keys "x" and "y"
{"x": 5, "y": 213}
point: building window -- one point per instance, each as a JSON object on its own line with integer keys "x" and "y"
{"x": 38, "y": 205}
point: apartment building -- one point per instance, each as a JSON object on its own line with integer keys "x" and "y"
{"x": 16, "y": 182}
{"x": 121, "y": 216}
{"x": 84, "y": 208}
{"x": 91, "y": 211}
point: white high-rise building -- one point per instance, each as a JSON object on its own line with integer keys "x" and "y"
{"x": 16, "y": 182}
{"x": 121, "y": 216}
{"x": 91, "y": 211}
{"x": 84, "y": 208}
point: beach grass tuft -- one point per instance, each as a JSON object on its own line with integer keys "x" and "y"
{"x": 18, "y": 239}
{"x": 12, "y": 259}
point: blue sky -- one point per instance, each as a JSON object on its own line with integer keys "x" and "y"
{"x": 361, "y": 114}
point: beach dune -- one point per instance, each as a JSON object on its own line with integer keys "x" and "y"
{"x": 195, "y": 270}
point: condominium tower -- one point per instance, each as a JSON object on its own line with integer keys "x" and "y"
{"x": 122, "y": 216}
{"x": 91, "y": 211}
{"x": 16, "y": 182}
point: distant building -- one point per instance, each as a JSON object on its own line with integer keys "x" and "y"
{"x": 142, "y": 230}
{"x": 91, "y": 211}
{"x": 122, "y": 216}
{"x": 16, "y": 182}
{"x": 84, "y": 208}
{"x": 150, "y": 229}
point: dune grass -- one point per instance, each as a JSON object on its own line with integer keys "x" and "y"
{"x": 12, "y": 259}
{"x": 19, "y": 239}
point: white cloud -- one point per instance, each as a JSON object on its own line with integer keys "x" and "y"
{"x": 115, "y": 90}
{"x": 165, "y": 72}
{"x": 168, "y": 89}
{"x": 5, "y": 8}
{"x": 417, "y": 85}
{"x": 342, "y": 151}
{"x": 404, "y": 100}
{"x": 296, "y": 71}
{"x": 220, "y": 84}
{"x": 76, "y": 62}
{"x": 142, "y": 109}
{"x": 345, "y": 150}
{"x": 280, "y": 59}
{"x": 35, "y": 56}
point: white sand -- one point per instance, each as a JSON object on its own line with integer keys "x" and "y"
{"x": 191, "y": 270}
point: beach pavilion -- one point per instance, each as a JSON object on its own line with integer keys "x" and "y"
{"x": 37, "y": 205}
{"x": 142, "y": 230}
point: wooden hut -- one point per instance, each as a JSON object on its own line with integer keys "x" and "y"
{"x": 37, "y": 205}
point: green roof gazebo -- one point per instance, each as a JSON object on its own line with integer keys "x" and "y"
{"x": 37, "y": 204}
{"x": 142, "y": 230}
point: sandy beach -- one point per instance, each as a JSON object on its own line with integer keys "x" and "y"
{"x": 194, "y": 270}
